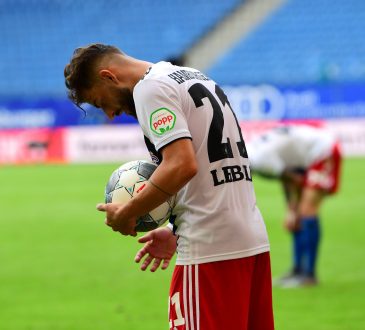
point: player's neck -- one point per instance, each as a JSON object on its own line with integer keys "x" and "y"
{"x": 135, "y": 71}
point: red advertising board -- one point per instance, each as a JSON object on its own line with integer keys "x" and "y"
{"x": 118, "y": 143}
{"x": 27, "y": 146}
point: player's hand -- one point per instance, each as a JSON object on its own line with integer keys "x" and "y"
{"x": 291, "y": 221}
{"x": 115, "y": 220}
{"x": 160, "y": 247}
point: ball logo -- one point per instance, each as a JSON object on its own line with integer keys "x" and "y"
{"x": 162, "y": 120}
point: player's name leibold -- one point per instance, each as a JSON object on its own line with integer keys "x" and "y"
{"x": 181, "y": 76}
{"x": 231, "y": 174}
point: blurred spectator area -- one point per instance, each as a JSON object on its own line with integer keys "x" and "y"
{"x": 300, "y": 42}
{"x": 303, "y": 41}
{"x": 38, "y": 36}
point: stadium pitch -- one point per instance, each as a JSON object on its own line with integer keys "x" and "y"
{"x": 63, "y": 269}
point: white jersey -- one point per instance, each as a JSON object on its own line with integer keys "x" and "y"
{"x": 289, "y": 147}
{"x": 216, "y": 213}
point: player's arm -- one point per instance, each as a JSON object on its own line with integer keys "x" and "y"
{"x": 177, "y": 168}
{"x": 292, "y": 187}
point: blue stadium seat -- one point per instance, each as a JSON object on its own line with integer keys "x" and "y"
{"x": 38, "y": 36}
{"x": 303, "y": 42}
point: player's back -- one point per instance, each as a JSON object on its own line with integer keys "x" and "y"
{"x": 289, "y": 147}
{"x": 216, "y": 213}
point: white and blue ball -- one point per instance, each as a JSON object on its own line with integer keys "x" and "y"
{"x": 126, "y": 182}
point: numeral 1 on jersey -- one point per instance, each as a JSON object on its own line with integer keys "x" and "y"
{"x": 175, "y": 301}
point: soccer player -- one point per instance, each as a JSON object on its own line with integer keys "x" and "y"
{"x": 222, "y": 277}
{"x": 307, "y": 162}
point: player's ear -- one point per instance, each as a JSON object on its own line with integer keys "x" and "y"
{"x": 108, "y": 75}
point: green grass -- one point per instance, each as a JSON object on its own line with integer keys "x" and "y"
{"x": 62, "y": 268}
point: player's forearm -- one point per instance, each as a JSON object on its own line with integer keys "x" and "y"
{"x": 291, "y": 195}
{"x": 165, "y": 182}
{"x": 171, "y": 176}
{"x": 177, "y": 168}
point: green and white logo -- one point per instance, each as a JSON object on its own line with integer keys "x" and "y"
{"x": 162, "y": 120}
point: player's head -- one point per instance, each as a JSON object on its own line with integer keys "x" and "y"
{"x": 93, "y": 76}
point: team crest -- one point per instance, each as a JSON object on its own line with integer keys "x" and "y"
{"x": 162, "y": 120}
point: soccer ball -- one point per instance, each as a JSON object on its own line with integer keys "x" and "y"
{"x": 126, "y": 182}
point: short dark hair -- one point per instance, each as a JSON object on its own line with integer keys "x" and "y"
{"x": 79, "y": 73}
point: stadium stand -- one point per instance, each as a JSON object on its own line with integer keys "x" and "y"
{"x": 303, "y": 42}
{"x": 38, "y": 36}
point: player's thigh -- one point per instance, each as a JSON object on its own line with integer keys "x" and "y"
{"x": 310, "y": 201}
{"x": 211, "y": 296}
{"x": 261, "y": 310}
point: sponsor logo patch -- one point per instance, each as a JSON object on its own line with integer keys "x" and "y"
{"x": 162, "y": 120}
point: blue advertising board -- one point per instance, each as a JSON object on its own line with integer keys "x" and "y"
{"x": 52, "y": 112}
{"x": 262, "y": 102}
{"x": 267, "y": 102}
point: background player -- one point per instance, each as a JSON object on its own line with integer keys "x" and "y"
{"x": 307, "y": 162}
{"x": 222, "y": 279}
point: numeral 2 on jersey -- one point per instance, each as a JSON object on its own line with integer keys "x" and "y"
{"x": 217, "y": 149}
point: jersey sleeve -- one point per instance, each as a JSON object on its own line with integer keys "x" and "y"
{"x": 159, "y": 112}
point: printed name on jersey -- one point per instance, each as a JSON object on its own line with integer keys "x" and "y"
{"x": 181, "y": 76}
{"x": 232, "y": 173}
{"x": 162, "y": 120}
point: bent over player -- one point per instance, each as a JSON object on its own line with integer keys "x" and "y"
{"x": 307, "y": 161}
{"x": 222, "y": 278}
